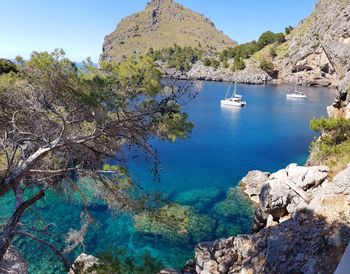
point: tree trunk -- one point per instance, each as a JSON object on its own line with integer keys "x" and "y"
{"x": 7, "y": 235}
{"x": 9, "y": 230}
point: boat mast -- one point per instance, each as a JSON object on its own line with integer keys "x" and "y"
{"x": 235, "y": 90}
{"x": 228, "y": 90}
{"x": 296, "y": 82}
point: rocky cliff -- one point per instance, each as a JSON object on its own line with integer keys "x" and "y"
{"x": 162, "y": 24}
{"x": 316, "y": 53}
{"x": 319, "y": 48}
{"x": 301, "y": 225}
{"x": 251, "y": 75}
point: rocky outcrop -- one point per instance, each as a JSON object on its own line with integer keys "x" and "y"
{"x": 162, "y": 24}
{"x": 84, "y": 264}
{"x": 321, "y": 43}
{"x": 319, "y": 49}
{"x": 253, "y": 183}
{"x": 298, "y": 236}
{"x": 13, "y": 263}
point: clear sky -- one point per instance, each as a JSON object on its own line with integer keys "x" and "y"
{"x": 79, "y": 26}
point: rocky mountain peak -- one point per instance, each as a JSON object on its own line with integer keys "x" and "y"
{"x": 162, "y": 24}
{"x": 157, "y": 3}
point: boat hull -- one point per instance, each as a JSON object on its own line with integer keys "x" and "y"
{"x": 296, "y": 96}
{"x": 233, "y": 103}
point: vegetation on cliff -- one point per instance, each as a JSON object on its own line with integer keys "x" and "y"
{"x": 177, "y": 57}
{"x": 246, "y": 50}
{"x": 7, "y": 66}
{"x": 333, "y": 147}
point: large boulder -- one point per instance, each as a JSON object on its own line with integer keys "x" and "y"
{"x": 286, "y": 192}
{"x": 307, "y": 177}
{"x": 253, "y": 183}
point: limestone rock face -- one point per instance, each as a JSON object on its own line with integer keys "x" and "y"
{"x": 253, "y": 183}
{"x": 160, "y": 25}
{"x": 319, "y": 48}
{"x": 297, "y": 237}
{"x": 277, "y": 199}
{"x": 13, "y": 263}
{"x": 342, "y": 112}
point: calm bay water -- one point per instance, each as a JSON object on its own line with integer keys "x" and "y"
{"x": 225, "y": 144}
{"x": 228, "y": 142}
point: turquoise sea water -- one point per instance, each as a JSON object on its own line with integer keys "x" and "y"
{"x": 225, "y": 144}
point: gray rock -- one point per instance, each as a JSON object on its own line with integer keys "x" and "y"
{"x": 83, "y": 263}
{"x": 13, "y": 263}
{"x": 302, "y": 242}
{"x": 253, "y": 183}
{"x": 307, "y": 177}
{"x": 277, "y": 199}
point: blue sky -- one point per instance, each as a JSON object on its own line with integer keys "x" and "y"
{"x": 79, "y": 26}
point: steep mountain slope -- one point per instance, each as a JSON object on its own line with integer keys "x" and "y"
{"x": 162, "y": 24}
{"x": 319, "y": 48}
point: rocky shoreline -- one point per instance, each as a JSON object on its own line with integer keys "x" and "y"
{"x": 301, "y": 226}
{"x": 251, "y": 75}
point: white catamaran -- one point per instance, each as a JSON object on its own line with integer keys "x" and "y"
{"x": 296, "y": 94}
{"x": 235, "y": 100}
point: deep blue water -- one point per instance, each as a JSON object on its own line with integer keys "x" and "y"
{"x": 225, "y": 144}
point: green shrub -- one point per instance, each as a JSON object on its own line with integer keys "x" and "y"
{"x": 238, "y": 64}
{"x": 268, "y": 38}
{"x": 273, "y": 52}
{"x": 266, "y": 65}
{"x": 246, "y": 50}
{"x": 288, "y": 29}
{"x": 7, "y": 66}
{"x": 215, "y": 63}
{"x": 211, "y": 62}
{"x": 176, "y": 56}
{"x": 207, "y": 62}
{"x": 333, "y": 148}
{"x": 117, "y": 261}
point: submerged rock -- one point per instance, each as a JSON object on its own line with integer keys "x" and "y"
{"x": 198, "y": 196}
{"x": 175, "y": 223}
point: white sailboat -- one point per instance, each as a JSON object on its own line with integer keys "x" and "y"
{"x": 235, "y": 100}
{"x": 296, "y": 94}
